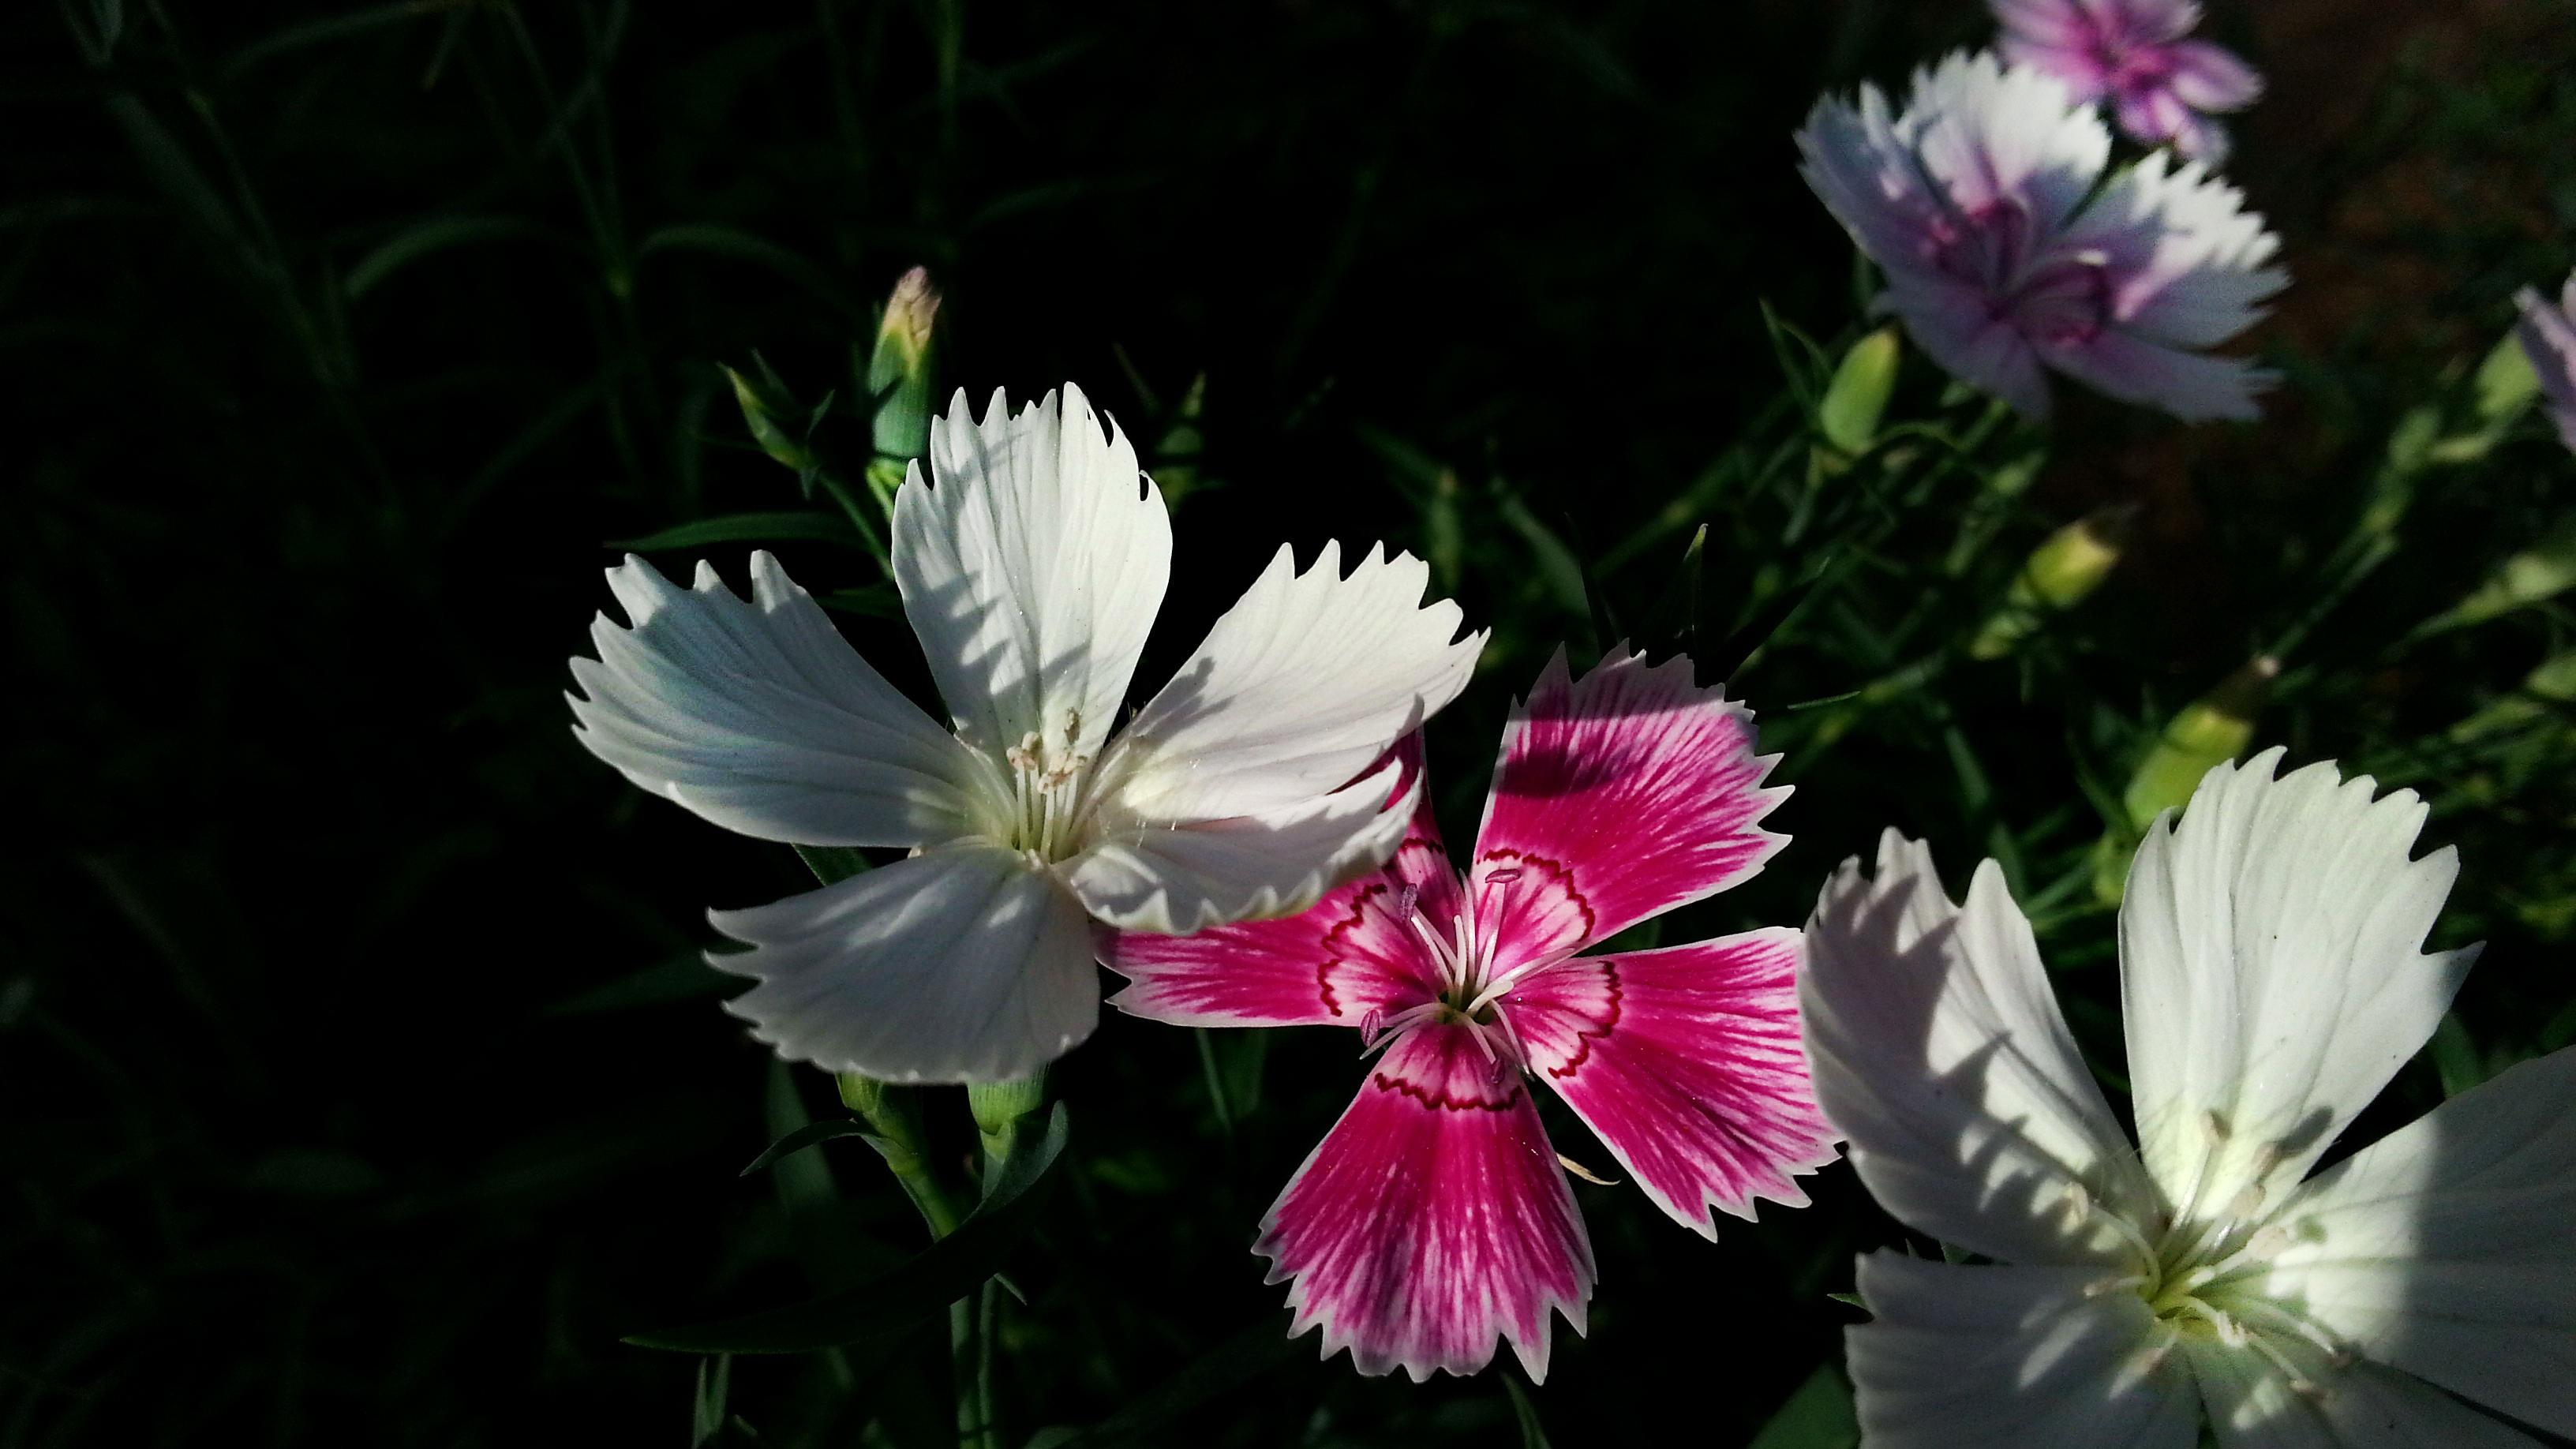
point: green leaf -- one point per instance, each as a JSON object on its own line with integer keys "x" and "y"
{"x": 682, "y": 978}
{"x": 921, "y": 1288}
{"x": 2455, "y": 1056}
{"x": 874, "y": 601}
{"x": 427, "y": 238}
{"x": 707, "y": 1411}
{"x": 1229, "y": 1366}
{"x": 804, "y": 1137}
{"x": 794, "y": 523}
{"x": 832, "y": 863}
{"x": 742, "y": 246}
{"x": 315, "y": 32}
{"x": 1818, "y": 1416}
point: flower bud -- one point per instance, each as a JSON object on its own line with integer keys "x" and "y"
{"x": 2059, "y": 574}
{"x": 1857, "y": 398}
{"x": 2207, "y": 733}
{"x": 899, "y": 368}
{"x": 998, "y": 1108}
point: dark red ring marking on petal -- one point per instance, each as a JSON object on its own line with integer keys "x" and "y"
{"x": 1334, "y": 957}
{"x": 1555, "y": 872}
{"x": 1599, "y": 1029}
{"x": 1442, "y": 1101}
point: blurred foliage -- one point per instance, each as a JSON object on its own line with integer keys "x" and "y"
{"x": 364, "y": 1084}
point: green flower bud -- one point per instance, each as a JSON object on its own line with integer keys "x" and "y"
{"x": 1857, "y": 398}
{"x": 999, "y": 1108}
{"x": 2209, "y": 732}
{"x": 2059, "y": 574}
{"x": 899, "y": 368}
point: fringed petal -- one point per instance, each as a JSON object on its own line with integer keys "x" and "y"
{"x": 1433, "y": 1220}
{"x": 1617, "y": 797}
{"x": 1686, "y": 1062}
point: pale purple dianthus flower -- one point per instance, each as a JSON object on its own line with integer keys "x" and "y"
{"x": 2132, "y": 53}
{"x": 2007, "y": 250}
{"x": 2548, "y": 334}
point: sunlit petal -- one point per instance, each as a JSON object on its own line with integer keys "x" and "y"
{"x": 1032, "y": 560}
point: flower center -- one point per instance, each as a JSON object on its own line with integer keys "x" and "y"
{"x": 2053, "y": 299}
{"x": 1047, "y": 779}
{"x": 1473, "y": 976}
{"x": 2201, "y": 1278}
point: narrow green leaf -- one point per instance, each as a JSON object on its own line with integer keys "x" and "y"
{"x": 831, "y": 863}
{"x": 707, "y": 1412}
{"x": 428, "y": 238}
{"x": 794, "y": 523}
{"x": 921, "y": 1288}
{"x": 1230, "y": 1365}
{"x": 315, "y": 32}
{"x": 738, "y": 245}
{"x": 804, "y": 1137}
{"x": 2455, "y": 1056}
{"x": 874, "y": 601}
{"x": 1818, "y": 1415}
{"x": 682, "y": 978}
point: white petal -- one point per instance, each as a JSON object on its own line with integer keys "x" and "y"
{"x": 2448, "y": 1248}
{"x": 761, "y": 717}
{"x": 2252, "y": 1403}
{"x": 1937, "y": 1049}
{"x": 1031, "y": 566}
{"x": 1990, "y": 134}
{"x": 2191, "y": 259}
{"x": 1998, "y": 1357}
{"x": 1174, "y": 880}
{"x": 1299, "y": 687}
{"x": 2270, "y": 975}
{"x": 957, "y": 966}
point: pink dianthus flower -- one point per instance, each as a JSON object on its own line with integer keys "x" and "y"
{"x": 2009, "y": 252}
{"x": 1434, "y": 1218}
{"x": 2132, "y": 53}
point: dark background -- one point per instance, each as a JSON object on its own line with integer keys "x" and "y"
{"x": 339, "y": 339}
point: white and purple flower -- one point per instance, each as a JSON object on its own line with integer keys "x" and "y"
{"x": 2548, "y": 334}
{"x": 1031, "y": 559}
{"x": 2133, "y": 53}
{"x": 1434, "y": 1219}
{"x": 2008, "y": 252}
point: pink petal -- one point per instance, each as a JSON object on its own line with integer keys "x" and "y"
{"x": 2052, "y": 23}
{"x": 1686, "y": 1062}
{"x": 2149, "y": 21}
{"x": 1432, "y": 1220}
{"x": 1339, "y": 962}
{"x": 1618, "y": 797}
{"x": 2213, "y": 78}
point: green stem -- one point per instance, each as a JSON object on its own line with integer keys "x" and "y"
{"x": 988, "y": 1419}
{"x": 899, "y": 1141}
